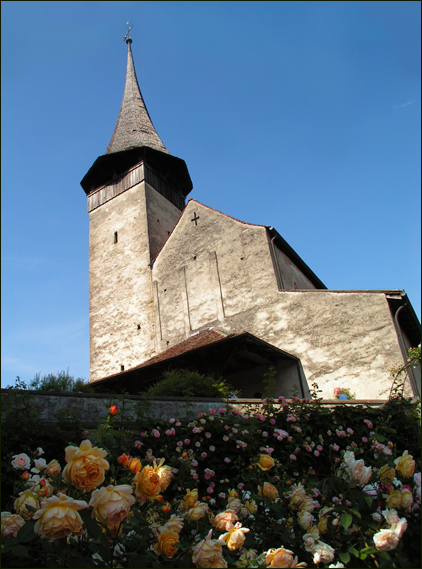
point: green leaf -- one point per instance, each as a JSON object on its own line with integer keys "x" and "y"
{"x": 345, "y": 520}
{"x": 354, "y": 551}
{"x": 344, "y": 557}
{"x": 19, "y": 550}
{"x": 26, "y": 533}
{"x": 91, "y": 525}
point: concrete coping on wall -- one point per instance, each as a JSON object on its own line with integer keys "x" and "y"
{"x": 90, "y": 408}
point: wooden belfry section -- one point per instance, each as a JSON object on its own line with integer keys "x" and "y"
{"x": 182, "y": 284}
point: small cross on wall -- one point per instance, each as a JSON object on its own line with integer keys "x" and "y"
{"x": 195, "y": 218}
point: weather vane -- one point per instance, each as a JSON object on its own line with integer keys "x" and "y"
{"x": 127, "y": 37}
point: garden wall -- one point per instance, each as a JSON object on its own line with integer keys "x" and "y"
{"x": 90, "y": 408}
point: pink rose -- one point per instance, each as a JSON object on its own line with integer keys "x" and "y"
{"x": 21, "y": 461}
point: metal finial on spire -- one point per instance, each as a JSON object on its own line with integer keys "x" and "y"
{"x": 127, "y": 37}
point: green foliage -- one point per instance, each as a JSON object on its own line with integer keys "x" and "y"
{"x": 187, "y": 383}
{"x": 347, "y": 391}
{"x": 61, "y": 381}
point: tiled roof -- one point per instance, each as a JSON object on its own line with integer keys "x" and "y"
{"x": 134, "y": 127}
{"x": 198, "y": 340}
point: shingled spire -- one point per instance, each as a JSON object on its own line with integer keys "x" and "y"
{"x": 134, "y": 127}
{"x": 136, "y": 141}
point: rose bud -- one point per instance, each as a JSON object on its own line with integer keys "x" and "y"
{"x": 113, "y": 410}
{"x": 124, "y": 459}
{"x": 135, "y": 465}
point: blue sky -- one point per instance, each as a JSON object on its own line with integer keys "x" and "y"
{"x": 300, "y": 115}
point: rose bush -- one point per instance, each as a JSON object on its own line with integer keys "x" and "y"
{"x": 296, "y": 484}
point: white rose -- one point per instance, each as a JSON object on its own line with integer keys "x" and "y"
{"x": 386, "y": 540}
{"x": 323, "y": 553}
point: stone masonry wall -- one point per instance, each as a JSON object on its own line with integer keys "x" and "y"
{"x": 218, "y": 272}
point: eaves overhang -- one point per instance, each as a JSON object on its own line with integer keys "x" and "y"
{"x": 253, "y": 351}
{"x": 294, "y": 257}
{"x": 110, "y": 167}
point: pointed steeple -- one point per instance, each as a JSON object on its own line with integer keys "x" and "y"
{"x": 134, "y": 127}
{"x": 134, "y": 142}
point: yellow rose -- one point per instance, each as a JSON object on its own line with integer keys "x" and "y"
{"x": 191, "y": 498}
{"x": 297, "y": 495}
{"x": 269, "y": 490}
{"x": 166, "y": 545}
{"x": 53, "y": 468}
{"x": 147, "y": 483}
{"x": 386, "y": 474}
{"x": 26, "y": 498}
{"x": 251, "y": 506}
{"x": 198, "y": 511}
{"x": 112, "y": 504}
{"x": 280, "y": 558}
{"x": 322, "y": 524}
{"x": 393, "y": 499}
{"x": 265, "y": 462}
{"x": 165, "y": 474}
{"x": 58, "y": 517}
{"x": 406, "y": 498}
{"x": 85, "y": 466}
{"x": 234, "y": 537}
{"x": 10, "y": 525}
{"x": 405, "y": 465}
{"x": 208, "y": 553}
{"x": 305, "y": 519}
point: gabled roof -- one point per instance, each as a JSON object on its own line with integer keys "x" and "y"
{"x": 209, "y": 352}
{"x": 134, "y": 127}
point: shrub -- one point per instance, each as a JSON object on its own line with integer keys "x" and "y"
{"x": 187, "y": 383}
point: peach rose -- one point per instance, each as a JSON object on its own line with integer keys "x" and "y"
{"x": 21, "y": 461}
{"x": 281, "y": 558}
{"x": 265, "y": 462}
{"x": 58, "y": 517}
{"x": 322, "y": 524}
{"x": 174, "y": 524}
{"x": 166, "y": 545}
{"x": 53, "y": 468}
{"x": 405, "y": 465}
{"x": 191, "y": 498}
{"x": 386, "y": 540}
{"x": 268, "y": 490}
{"x": 208, "y": 553}
{"x": 165, "y": 474}
{"x": 235, "y": 536}
{"x": 386, "y": 474}
{"x": 147, "y": 483}
{"x": 198, "y": 511}
{"x": 26, "y": 498}
{"x": 393, "y": 499}
{"x": 10, "y": 525}
{"x": 86, "y": 466}
{"x": 221, "y": 520}
{"x": 111, "y": 504}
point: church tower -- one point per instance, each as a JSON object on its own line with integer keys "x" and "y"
{"x": 136, "y": 192}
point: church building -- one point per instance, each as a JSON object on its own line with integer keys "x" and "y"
{"x": 180, "y": 285}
